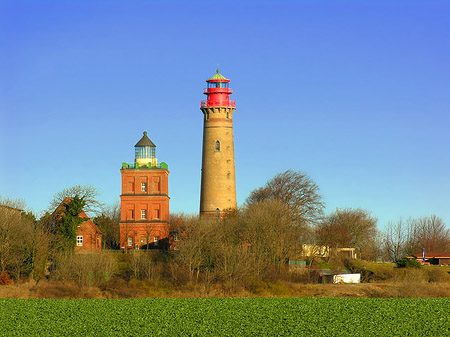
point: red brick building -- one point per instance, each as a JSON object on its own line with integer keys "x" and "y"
{"x": 144, "y": 202}
{"x": 89, "y": 236}
{"x": 433, "y": 258}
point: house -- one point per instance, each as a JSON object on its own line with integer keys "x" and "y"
{"x": 88, "y": 235}
{"x": 324, "y": 251}
{"x": 433, "y": 258}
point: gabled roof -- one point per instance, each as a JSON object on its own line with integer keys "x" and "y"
{"x": 59, "y": 211}
{"x": 89, "y": 223}
{"x": 145, "y": 141}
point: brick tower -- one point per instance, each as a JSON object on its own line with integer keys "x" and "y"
{"x": 218, "y": 190}
{"x": 144, "y": 202}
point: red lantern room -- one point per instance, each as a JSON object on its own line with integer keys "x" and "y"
{"x": 218, "y": 92}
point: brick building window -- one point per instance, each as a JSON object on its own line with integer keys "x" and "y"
{"x": 143, "y": 187}
{"x": 156, "y": 214}
{"x": 130, "y": 214}
{"x": 156, "y": 184}
{"x": 143, "y": 214}
{"x": 79, "y": 240}
{"x": 155, "y": 240}
{"x": 130, "y": 241}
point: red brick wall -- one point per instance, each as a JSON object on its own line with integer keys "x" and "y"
{"x": 154, "y": 201}
{"x": 92, "y": 238}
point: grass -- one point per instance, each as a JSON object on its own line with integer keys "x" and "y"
{"x": 226, "y": 317}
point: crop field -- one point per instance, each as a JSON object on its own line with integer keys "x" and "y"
{"x": 226, "y": 317}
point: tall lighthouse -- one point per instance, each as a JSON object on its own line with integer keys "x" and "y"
{"x": 218, "y": 189}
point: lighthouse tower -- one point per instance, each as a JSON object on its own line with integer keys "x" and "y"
{"x": 144, "y": 202}
{"x": 218, "y": 189}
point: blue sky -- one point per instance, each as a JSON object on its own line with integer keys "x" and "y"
{"x": 353, "y": 93}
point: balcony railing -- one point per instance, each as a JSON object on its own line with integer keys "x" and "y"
{"x": 229, "y": 91}
{"x": 204, "y": 104}
{"x": 161, "y": 165}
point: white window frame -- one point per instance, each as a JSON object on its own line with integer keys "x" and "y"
{"x": 79, "y": 240}
{"x": 143, "y": 187}
{"x": 130, "y": 241}
{"x": 143, "y": 214}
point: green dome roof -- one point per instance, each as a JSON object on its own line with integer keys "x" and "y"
{"x": 217, "y": 76}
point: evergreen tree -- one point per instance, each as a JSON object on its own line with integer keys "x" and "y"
{"x": 70, "y": 220}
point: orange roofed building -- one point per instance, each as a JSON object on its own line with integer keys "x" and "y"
{"x": 88, "y": 235}
{"x": 144, "y": 202}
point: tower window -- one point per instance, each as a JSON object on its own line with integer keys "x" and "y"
{"x": 143, "y": 213}
{"x": 156, "y": 214}
{"x": 156, "y": 184}
{"x": 143, "y": 187}
{"x": 217, "y": 146}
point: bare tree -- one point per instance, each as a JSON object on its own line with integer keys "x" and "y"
{"x": 428, "y": 232}
{"x": 88, "y": 193}
{"x": 297, "y": 191}
{"x": 354, "y": 228}
{"x": 24, "y": 244}
{"x": 333, "y": 234}
{"x": 270, "y": 234}
{"x": 18, "y": 204}
{"x": 108, "y": 223}
{"x": 394, "y": 240}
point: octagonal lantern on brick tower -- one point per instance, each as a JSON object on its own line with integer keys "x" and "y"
{"x": 144, "y": 202}
{"x": 145, "y": 151}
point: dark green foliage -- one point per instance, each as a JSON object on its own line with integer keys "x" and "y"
{"x": 70, "y": 220}
{"x": 109, "y": 226}
{"x": 226, "y": 317}
{"x": 408, "y": 263}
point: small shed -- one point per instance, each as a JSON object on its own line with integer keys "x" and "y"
{"x": 330, "y": 276}
{"x": 347, "y": 278}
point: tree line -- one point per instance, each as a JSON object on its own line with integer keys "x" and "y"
{"x": 252, "y": 242}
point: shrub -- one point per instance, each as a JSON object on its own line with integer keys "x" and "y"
{"x": 436, "y": 275}
{"x": 5, "y": 279}
{"x": 408, "y": 263}
{"x": 85, "y": 269}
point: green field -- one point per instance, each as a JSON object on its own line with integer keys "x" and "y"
{"x": 226, "y": 317}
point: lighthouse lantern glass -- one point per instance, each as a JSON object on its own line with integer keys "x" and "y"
{"x": 217, "y": 84}
{"x": 145, "y": 152}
